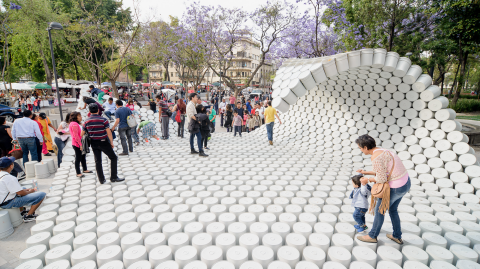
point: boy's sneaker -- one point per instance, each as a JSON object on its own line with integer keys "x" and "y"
{"x": 362, "y": 229}
{"x": 356, "y": 226}
{"x": 29, "y": 218}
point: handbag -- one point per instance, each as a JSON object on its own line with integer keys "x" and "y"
{"x": 382, "y": 191}
{"x": 178, "y": 116}
{"x": 16, "y": 152}
{"x": 131, "y": 121}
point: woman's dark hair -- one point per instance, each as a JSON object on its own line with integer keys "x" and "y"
{"x": 74, "y": 117}
{"x": 366, "y": 141}
{"x": 2, "y": 120}
{"x": 229, "y": 108}
{"x": 199, "y": 108}
{"x": 34, "y": 116}
{"x": 67, "y": 117}
{"x": 356, "y": 180}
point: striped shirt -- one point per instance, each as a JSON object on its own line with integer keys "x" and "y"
{"x": 96, "y": 127}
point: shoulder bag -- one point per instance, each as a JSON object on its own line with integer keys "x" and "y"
{"x": 382, "y": 191}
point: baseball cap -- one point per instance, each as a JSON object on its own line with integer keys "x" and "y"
{"x": 6, "y": 162}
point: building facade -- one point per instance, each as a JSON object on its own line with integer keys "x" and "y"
{"x": 246, "y": 58}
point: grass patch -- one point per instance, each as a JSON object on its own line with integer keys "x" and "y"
{"x": 476, "y": 117}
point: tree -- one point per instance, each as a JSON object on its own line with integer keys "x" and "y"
{"x": 104, "y": 43}
{"x": 460, "y": 23}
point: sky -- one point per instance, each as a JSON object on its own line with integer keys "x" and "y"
{"x": 161, "y": 9}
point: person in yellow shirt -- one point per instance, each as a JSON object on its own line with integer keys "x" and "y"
{"x": 270, "y": 114}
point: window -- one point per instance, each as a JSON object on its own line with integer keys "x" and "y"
{"x": 171, "y": 74}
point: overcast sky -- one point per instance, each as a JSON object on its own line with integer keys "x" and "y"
{"x": 161, "y": 9}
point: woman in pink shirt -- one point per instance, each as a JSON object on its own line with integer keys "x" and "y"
{"x": 76, "y": 134}
{"x": 387, "y": 167}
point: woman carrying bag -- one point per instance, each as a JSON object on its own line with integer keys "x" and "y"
{"x": 61, "y": 138}
{"x": 391, "y": 184}
{"x": 228, "y": 118}
{"x": 76, "y": 133}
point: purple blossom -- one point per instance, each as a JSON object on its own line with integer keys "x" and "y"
{"x": 14, "y": 6}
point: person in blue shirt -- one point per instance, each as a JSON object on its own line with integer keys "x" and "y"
{"x": 94, "y": 91}
{"x": 359, "y": 197}
{"x": 121, "y": 115}
{"x": 249, "y": 107}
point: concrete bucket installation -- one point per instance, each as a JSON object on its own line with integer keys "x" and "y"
{"x": 250, "y": 205}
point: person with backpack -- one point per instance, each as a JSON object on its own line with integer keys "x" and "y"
{"x": 122, "y": 116}
{"x": 228, "y": 118}
{"x": 181, "y": 110}
{"x": 204, "y": 122}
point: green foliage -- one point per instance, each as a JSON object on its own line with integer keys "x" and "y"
{"x": 465, "y": 105}
{"x": 465, "y": 96}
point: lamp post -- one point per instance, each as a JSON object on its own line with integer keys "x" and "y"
{"x": 408, "y": 54}
{"x": 55, "y": 26}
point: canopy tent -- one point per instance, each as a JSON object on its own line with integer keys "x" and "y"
{"x": 168, "y": 92}
{"x": 2, "y": 87}
{"x": 22, "y": 86}
{"x": 43, "y": 86}
{"x": 146, "y": 84}
{"x": 203, "y": 84}
{"x": 167, "y": 83}
{"x": 217, "y": 84}
{"x": 178, "y": 84}
{"x": 63, "y": 86}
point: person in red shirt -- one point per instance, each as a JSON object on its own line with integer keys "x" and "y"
{"x": 232, "y": 100}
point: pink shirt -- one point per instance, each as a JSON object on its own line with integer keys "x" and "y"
{"x": 132, "y": 107}
{"x": 75, "y": 132}
{"x": 382, "y": 165}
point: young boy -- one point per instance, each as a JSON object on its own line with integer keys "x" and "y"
{"x": 237, "y": 124}
{"x": 153, "y": 106}
{"x": 359, "y": 198}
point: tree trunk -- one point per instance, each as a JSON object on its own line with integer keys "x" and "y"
{"x": 454, "y": 81}
{"x": 462, "y": 62}
{"x": 114, "y": 88}
{"x": 77, "y": 76}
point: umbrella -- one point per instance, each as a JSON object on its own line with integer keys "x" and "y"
{"x": 216, "y": 84}
{"x": 145, "y": 84}
{"x": 43, "y": 86}
{"x": 166, "y": 83}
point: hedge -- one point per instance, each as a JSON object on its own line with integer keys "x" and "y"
{"x": 465, "y": 105}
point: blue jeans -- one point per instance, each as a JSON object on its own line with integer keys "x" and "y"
{"x": 60, "y": 145}
{"x": 27, "y": 200}
{"x": 396, "y": 196}
{"x": 270, "y": 130}
{"x": 109, "y": 114}
{"x": 359, "y": 215}
{"x": 199, "y": 141}
{"x": 28, "y": 145}
{"x": 238, "y": 129}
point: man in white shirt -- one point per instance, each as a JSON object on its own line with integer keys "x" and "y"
{"x": 24, "y": 130}
{"x": 221, "y": 110}
{"x": 109, "y": 108}
{"x": 261, "y": 111}
{"x": 13, "y": 195}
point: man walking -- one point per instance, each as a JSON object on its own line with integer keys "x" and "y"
{"x": 109, "y": 108}
{"x": 12, "y": 194}
{"x": 101, "y": 138}
{"x": 193, "y": 126}
{"x": 163, "y": 116}
{"x": 270, "y": 114}
{"x": 24, "y": 131}
{"x": 121, "y": 115}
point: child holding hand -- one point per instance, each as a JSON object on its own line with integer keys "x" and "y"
{"x": 359, "y": 197}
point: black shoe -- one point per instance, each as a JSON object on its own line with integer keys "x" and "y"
{"x": 123, "y": 154}
{"x": 89, "y": 172}
{"x": 206, "y": 148}
{"x": 29, "y": 218}
{"x": 202, "y": 154}
{"x": 193, "y": 151}
{"x": 24, "y": 212}
{"x": 117, "y": 180}
{"x": 48, "y": 154}
{"x": 102, "y": 181}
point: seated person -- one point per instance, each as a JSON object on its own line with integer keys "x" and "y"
{"x": 94, "y": 91}
{"x": 12, "y": 194}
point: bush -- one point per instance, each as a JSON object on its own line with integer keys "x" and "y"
{"x": 465, "y": 105}
{"x": 464, "y": 96}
